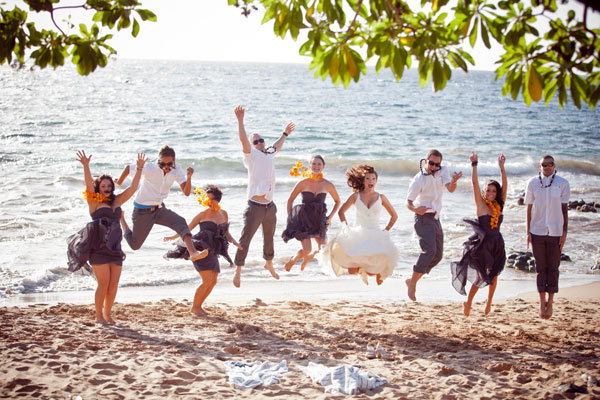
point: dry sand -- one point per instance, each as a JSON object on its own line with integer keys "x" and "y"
{"x": 158, "y": 350}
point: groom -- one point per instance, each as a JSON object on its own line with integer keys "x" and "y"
{"x": 261, "y": 210}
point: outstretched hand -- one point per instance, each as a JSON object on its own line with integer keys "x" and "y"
{"x": 456, "y": 176}
{"x": 501, "y": 161}
{"x": 239, "y": 113}
{"x": 290, "y": 128}
{"x": 83, "y": 159}
{"x": 141, "y": 160}
{"x": 473, "y": 157}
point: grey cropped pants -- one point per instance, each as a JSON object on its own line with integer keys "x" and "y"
{"x": 431, "y": 240}
{"x": 257, "y": 214}
{"x": 144, "y": 220}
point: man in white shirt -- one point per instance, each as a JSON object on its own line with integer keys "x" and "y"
{"x": 148, "y": 204}
{"x": 261, "y": 210}
{"x": 425, "y": 200}
{"x": 547, "y": 199}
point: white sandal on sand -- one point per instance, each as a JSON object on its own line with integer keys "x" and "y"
{"x": 381, "y": 353}
{"x": 371, "y": 354}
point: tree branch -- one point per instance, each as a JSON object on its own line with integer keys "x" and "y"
{"x": 54, "y": 22}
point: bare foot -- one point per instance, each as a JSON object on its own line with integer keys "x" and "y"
{"x": 195, "y": 256}
{"x": 269, "y": 267}
{"x": 236, "y": 277}
{"x": 466, "y": 308}
{"x": 543, "y": 310}
{"x": 548, "y": 313}
{"x": 307, "y": 259}
{"x": 290, "y": 264}
{"x": 100, "y": 320}
{"x": 109, "y": 320}
{"x": 199, "y": 312}
{"x": 488, "y": 307}
{"x": 378, "y": 279}
{"x": 411, "y": 289}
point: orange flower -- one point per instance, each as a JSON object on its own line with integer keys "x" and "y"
{"x": 300, "y": 170}
{"x": 496, "y": 211}
{"x": 203, "y": 199}
{"x": 93, "y": 196}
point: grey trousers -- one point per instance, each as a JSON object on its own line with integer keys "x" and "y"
{"x": 144, "y": 220}
{"x": 546, "y": 252}
{"x": 256, "y": 215}
{"x": 431, "y": 240}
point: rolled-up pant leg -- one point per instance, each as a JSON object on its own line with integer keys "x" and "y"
{"x": 546, "y": 252}
{"x": 268, "y": 225}
{"x": 431, "y": 240}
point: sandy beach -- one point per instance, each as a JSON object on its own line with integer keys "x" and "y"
{"x": 158, "y": 350}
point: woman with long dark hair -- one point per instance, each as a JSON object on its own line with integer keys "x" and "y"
{"x": 483, "y": 254}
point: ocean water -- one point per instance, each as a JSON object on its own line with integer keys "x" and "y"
{"x": 138, "y": 106}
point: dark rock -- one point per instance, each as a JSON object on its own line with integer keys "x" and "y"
{"x": 596, "y": 205}
{"x": 512, "y": 256}
{"x": 521, "y": 201}
{"x": 521, "y": 262}
{"x": 572, "y": 388}
{"x": 564, "y": 257}
{"x": 595, "y": 267}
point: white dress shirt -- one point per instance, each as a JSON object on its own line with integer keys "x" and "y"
{"x": 546, "y": 212}
{"x": 261, "y": 173}
{"x": 427, "y": 190}
{"x": 155, "y": 185}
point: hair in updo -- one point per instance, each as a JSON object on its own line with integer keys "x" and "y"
{"x": 99, "y": 180}
{"x": 356, "y": 176}
{"x": 318, "y": 157}
{"x": 498, "y": 191}
{"x": 215, "y": 191}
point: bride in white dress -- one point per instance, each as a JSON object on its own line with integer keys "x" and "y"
{"x": 364, "y": 248}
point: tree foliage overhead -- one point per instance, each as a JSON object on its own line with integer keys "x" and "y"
{"x": 88, "y": 49}
{"x": 439, "y": 36}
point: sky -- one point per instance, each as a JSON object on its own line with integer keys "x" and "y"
{"x": 210, "y": 30}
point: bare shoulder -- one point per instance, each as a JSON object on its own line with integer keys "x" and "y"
{"x": 224, "y": 214}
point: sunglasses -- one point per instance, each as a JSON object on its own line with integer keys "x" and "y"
{"x": 257, "y": 141}
{"x": 435, "y": 164}
{"x": 166, "y": 164}
{"x": 549, "y": 164}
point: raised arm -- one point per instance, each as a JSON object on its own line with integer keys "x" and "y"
{"x": 295, "y": 192}
{"x": 390, "y": 209}
{"x": 239, "y": 113}
{"x": 336, "y": 200}
{"x": 479, "y": 202}
{"x": 288, "y": 130}
{"x": 123, "y": 176}
{"x": 501, "y": 161}
{"x": 451, "y": 186}
{"x": 127, "y": 193}
{"x": 351, "y": 200}
{"x": 186, "y": 186}
{"x": 87, "y": 175}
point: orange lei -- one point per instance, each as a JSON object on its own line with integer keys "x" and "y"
{"x": 496, "y": 211}
{"x": 93, "y": 196}
{"x": 299, "y": 170}
{"x": 203, "y": 199}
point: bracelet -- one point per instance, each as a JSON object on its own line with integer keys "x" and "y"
{"x": 285, "y": 134}
{"x": 474, "y": 163}
{"x": 139, "y": 169}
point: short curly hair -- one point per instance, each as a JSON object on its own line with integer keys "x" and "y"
{"x": 215, "y": 191}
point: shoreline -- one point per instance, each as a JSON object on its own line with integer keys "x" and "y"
{"x": 392, "y": 291}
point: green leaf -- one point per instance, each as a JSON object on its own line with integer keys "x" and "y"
{"x": 146, "y": 15}
{"x": 473, "y": 34}
{"x": 136, "y": 28}
{"x": 484, "y": 35}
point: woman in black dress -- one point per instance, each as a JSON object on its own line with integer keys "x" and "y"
{"x": 483, "y": 254}
{"x": 213, "y": 235}
{"x": 309, "y": 219}
{"x": 106, "y": 256}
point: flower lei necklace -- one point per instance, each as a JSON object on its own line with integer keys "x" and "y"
{"x": 299, "y": 170}
{"x": 496, "y": 211}
{"x": 203, "y": 199}
{"x": 93, "y": 196}
{"x": 542, "y": 183}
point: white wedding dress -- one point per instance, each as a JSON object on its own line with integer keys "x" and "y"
{"x": 364, "y": 246}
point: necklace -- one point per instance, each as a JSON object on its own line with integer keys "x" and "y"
{"x": 203, "y": 199}
{"x": 94, "y": 196}
{"x": 300, "y": 170}
{"x": 542, "y": 183}
{"x": 496, "y": 211}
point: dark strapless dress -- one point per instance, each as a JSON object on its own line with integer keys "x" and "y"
{"x": 483, "y": 255}
{"x": 110, "y": 251}
{"x": 212, "y": 236}
{"x": 308, "y": 219}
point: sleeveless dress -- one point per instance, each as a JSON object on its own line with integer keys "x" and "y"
{"x": 365, "y": 246}
{"x": 211, "y": 236}
{"x": 308, "y": 219}
{"x": 110, "y": 250}
{"x": 483, "y": 255}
